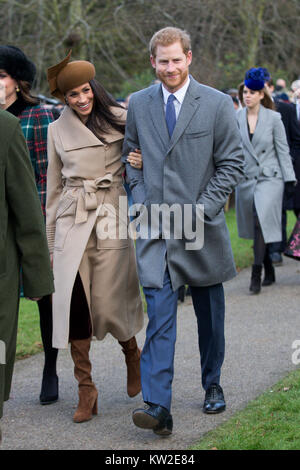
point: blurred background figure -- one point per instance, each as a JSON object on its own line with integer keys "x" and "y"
{"x": 295, "y": 87}
{"x": 281, "y": 91}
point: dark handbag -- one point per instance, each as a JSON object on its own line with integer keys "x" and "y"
{"x": 293, "y": 246}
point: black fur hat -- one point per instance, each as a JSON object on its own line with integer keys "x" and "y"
{"x": 16, "y": 64}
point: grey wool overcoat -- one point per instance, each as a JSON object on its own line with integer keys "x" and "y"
{"x": 201, "y": 164}
{"x": 268, "y": 166}
{"x": 22, "y": 241}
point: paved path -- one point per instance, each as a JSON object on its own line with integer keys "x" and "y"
{"x": 260, "y": 331}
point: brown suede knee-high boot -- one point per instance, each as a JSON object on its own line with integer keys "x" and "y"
{"x": 87, "y": 391}
{"x": 132, "y": 359}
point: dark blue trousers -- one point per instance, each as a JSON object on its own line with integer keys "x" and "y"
{"x": 157, "y": 360}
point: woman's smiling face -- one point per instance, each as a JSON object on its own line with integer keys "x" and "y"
{"x": 81, "y": 100}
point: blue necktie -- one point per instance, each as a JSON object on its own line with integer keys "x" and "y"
{"x": 170, "y": 114}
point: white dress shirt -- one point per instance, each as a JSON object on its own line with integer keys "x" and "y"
{"x": 179, "y": 95}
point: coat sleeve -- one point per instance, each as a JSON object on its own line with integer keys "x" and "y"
{"x": 27, "y": 219}
{"x": 134, "y": 177}
{"x": 42, "y": 119}
{"x": 54, "y": 188}
{"x": 228, "y": 160}
{"x": 282, "y": 149}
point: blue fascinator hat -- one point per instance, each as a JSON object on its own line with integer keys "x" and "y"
{"x": 255, "y": 78}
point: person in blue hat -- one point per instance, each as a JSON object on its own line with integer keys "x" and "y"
{"x": 268, "y": 170}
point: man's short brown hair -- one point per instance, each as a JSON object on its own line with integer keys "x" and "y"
{"x": 169, "y": 35}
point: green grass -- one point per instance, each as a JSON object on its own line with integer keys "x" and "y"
{"x": 271, "y": 422}
{"x": 29, "y": 337}
{"x": 242, "y": 249}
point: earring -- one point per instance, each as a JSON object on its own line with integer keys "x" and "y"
{"x": 17, "y": 89}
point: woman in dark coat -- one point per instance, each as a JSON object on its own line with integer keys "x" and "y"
{"x": 22, "y": 242}
{"x": 17, "y": 74}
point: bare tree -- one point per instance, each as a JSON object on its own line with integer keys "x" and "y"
{"x": 228, "y": 36}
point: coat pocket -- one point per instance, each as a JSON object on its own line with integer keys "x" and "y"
{"x": 197, "y": 134}
{"x": 64, "y": 204}
{"x": 65, "y": 219}
{"x": 271, "y": 171}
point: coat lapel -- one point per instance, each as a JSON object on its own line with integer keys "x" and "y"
{"x": 157, "y": 113}
{"x": 245, "y": 134}
{"x": 73, "y": 133}
{"x": 260, "y": 125}
{"x": 189, "y": 106}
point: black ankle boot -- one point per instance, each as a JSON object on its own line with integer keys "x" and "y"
{"x": 49, "y": 389}
{"x": 269, "y": 271}
{"x": 255, "y": 285}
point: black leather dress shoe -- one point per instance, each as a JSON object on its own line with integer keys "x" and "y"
{"x": 154, "y": 417}
{"x": 214, "y": 400}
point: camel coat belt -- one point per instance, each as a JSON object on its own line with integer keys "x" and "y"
{"x": 88, "y": 199}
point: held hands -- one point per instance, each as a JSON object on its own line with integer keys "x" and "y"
{"x": 135, "y": 159}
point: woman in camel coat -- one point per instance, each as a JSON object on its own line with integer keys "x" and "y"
{"x": 96, "y": 284}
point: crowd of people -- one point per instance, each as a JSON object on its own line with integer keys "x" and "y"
{"x": 179, "y": 142}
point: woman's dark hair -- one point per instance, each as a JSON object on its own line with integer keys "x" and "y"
{"x": 25, "y": 93}
{"x": 102, "y": 118}
{"x": 267, "y": 101}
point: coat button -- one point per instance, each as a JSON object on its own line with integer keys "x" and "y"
{"x": 257, "y": 163}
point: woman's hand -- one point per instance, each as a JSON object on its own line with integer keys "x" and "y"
{"x": 135, "y": 159}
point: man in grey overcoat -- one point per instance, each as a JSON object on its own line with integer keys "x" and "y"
{"x": 192, "y": 156}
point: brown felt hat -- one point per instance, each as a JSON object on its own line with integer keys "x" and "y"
{"x": 66, "y": 75}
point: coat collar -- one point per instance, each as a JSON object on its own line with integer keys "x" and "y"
{"x": 260, "y": 125}
{"x": 75, "y": 135}
{"x": 189, "y": 106}
{"x": 245, "y": 133}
